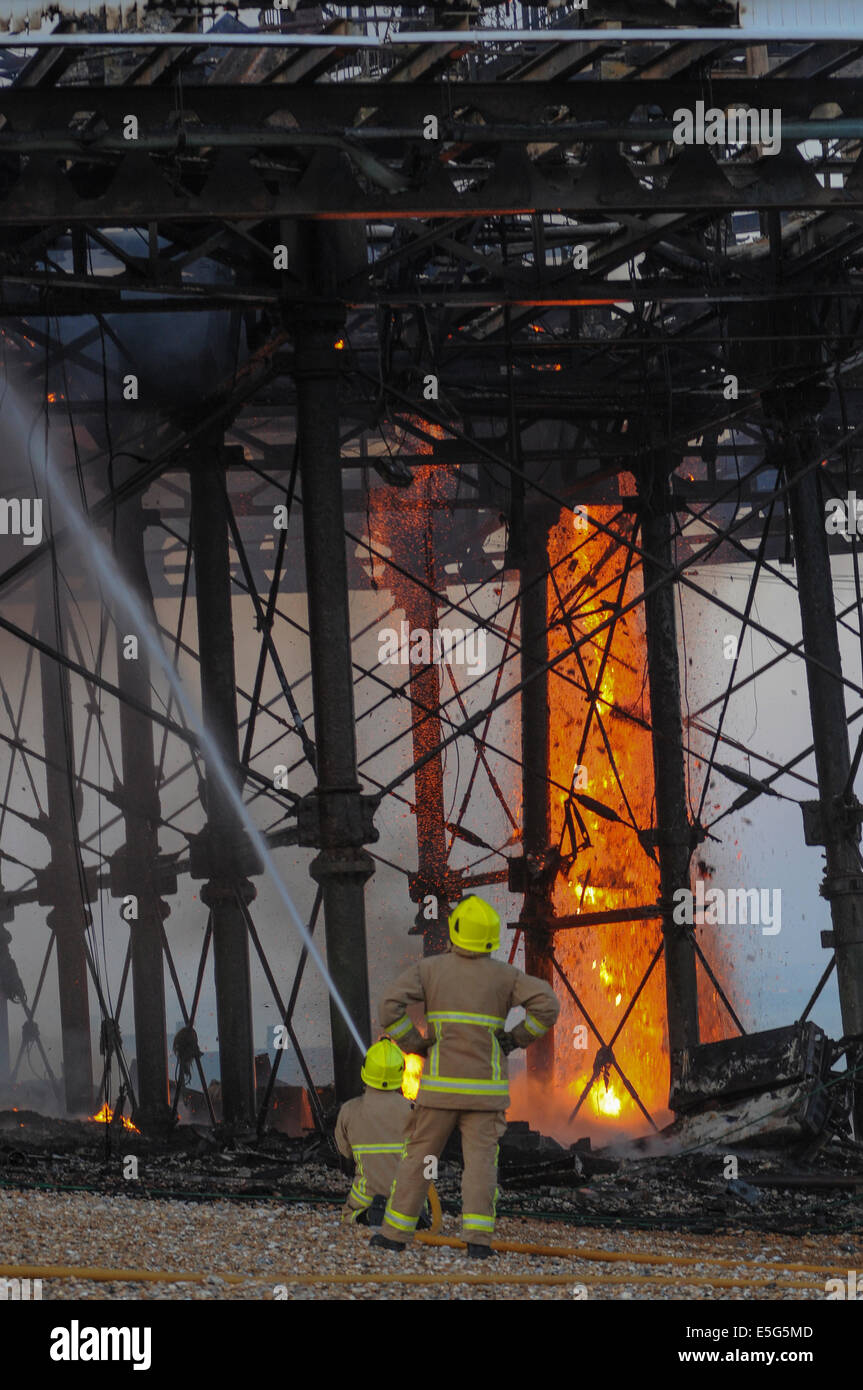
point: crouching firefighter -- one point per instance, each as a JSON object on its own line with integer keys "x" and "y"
{"x": 371, "y": 1129}
{"x": 467, "y": 995}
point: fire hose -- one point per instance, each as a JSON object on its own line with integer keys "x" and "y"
{"x": 513, "y": 1247}
{"x": 97, "y": 1274}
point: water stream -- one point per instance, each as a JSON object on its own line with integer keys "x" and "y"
{"x": 97, "y": 557}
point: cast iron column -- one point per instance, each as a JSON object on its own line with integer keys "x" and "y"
{"x": 4, "y": 1038}
{"x": 673, "y": 833}
{"x": 537, "y": 907}
{"x": 343, "y": 866}
{"x": 421, "y": 611}
{"x": 68, "y": 918}
{"x": 840, "y": 830}
{"x": 140, "y": 854}
{"x": 9, "y": 982}
{"x": 224, "y": 837}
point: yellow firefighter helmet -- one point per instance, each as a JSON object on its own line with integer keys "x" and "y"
{"x": 384, "y": 1066}
{"x": 474, "y": 925}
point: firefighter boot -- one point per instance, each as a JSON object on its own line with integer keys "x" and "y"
{"x": 480, "y": 1252}
{"x": 375, "y": 1213}
{"x": 382, "y": 1243}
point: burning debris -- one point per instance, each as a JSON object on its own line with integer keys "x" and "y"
{"x": 778, "y": 1086}
{"x": 649, "y": 1184}
{"x": 106, "y": 1116}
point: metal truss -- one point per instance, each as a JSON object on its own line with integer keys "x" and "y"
{"x": 555, "y": 374}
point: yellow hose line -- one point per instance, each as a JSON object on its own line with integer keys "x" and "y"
{"x": 512, "y": 1247}
{"x": 451, "y": 1277}
{"x": 436, "y": 1210}
{"x": 139, "y": 1276}
{"x": 98, "y": 1275}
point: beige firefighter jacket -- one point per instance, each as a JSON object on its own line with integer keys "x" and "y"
{"x": 371, "y": 1129}
{"x": 466, "y": 998}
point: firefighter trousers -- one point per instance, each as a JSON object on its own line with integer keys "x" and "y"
{"x": 429, "y": 1130}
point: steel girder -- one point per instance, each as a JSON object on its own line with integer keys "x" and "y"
{"x": 354, "y": 150}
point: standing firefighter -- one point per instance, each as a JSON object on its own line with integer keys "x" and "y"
{"x": 371, "y": 1129}
{"x": 467, "y": 996}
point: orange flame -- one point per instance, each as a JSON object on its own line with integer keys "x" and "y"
{"x": 606, "y": 963}
{"x": 105, "y": 1116}
{"x": 411, "y": 1078}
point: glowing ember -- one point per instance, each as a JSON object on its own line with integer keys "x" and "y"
{"x": 105, "y": 1116}
{"x": 413, "y": 1072}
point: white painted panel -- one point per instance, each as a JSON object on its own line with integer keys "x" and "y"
{"x": 784, "y": 15}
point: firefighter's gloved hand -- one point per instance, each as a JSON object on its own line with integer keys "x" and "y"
{"x": 507, "y": 1042}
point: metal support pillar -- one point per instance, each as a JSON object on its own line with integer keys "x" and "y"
{"x": 421, "y": 612}
{"x": 226, "y": 888}
{"x": 673, "y": 831}
{"x": 139, "y": 856}
{"x": 4, "y": 1038}
{"x": 839, "y": 830}
{"x": 342, "y": 867}
{"x": 69, "y": 915}
{"x": 537, "y": 909}
{"x": 10, "y": 988}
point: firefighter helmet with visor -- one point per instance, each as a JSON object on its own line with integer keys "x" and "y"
{"x": 474, "y": 925}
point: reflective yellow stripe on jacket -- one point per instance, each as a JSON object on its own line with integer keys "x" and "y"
{"x": 481, "y": 1020}
{"x": 465, "y": 1086}
{"x": 377, "y": 1148}
{"x": 533, "y": 1026}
